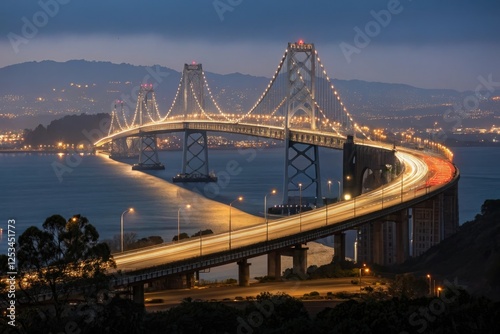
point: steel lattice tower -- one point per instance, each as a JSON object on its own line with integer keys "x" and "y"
{"x": 301, "y": 160}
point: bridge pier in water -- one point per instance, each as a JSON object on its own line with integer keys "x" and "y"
{"x": 124, "y": 148}
{"x": 148, "y": 154}
{"x": 195, "y": 158}
{"x": 301, "y": 172}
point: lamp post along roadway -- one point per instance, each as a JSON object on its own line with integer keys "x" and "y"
{"x": 179, "y": 221}
{"x": 339, "y": 194}
{"x": 240, "y": 198}
{"x": 121, "y": 227}
{"x": 265, "y": 212}
{"x": 360, "y": 274}
{"x": 300, "y": 207}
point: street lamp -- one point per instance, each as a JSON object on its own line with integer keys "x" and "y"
{"x": 179, "y": 221}
{"x": 200, "y": 242}
{"x": 121, "y": 227}
{"x": 329, "y": 189}
{"x": 325, "y": 200}
{"x": 430, "y": 285}
{"x": 265, "y": 212}
{"x": 300, "y": 207}
{"x": 360, "y": 274}
{"x": 402, "y": 177}
{"x": 240, "y": 198}
{"x": 339, "y": 195}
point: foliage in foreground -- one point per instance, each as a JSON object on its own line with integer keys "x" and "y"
{"x": 54, "y": 264}
{"x": 454, "y": 312}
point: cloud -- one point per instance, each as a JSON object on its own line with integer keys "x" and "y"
{"x": 420, "y": 21}
{"x": 424, "y": 42}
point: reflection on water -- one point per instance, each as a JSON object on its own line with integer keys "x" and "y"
{"x": 101, "y": 189}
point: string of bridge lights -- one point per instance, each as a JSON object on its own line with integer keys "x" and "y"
{"x": 257, "y": 103}
{"x": 113, "y": 116}
{"x": 268, "y": 88}
{"x": 213, "y": 99}
{"x": 175, "y": 99}
{"x": 153, "y": 96}
{"x": 198, "y": 103}
{"x": 332, "y": 87}
{"x": 314, "y": 100}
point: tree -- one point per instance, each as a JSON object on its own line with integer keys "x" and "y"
{"x": 204, "y": 232}
{"x": 408, "y": 286}
{"x": 62, "y": 259}
{"x": 182, "y": 236}
{"x": 129, "y": 239}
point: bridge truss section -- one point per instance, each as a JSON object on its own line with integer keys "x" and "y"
{"x": 148, "y": 154}
{"x": 124, "y": 148}
{"x": 195, "y": 158}
{"x": 302, "y": 175}
{"x": 301, "y": 71}
{"x": 301, "y": 160}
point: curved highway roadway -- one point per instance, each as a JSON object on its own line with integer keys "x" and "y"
{"x": 411, "y": 184}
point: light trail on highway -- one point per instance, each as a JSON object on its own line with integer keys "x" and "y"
{"x": 410, "y": 184}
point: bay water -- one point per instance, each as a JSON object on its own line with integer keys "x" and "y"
{"x": 34, "y": 186}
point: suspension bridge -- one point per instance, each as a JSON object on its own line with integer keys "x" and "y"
{"x": 300, "y": 106}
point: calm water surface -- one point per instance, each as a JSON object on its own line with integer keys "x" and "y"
{"x": 101, "y": 189}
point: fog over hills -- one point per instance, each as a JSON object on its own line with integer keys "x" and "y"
{"x": 37, "y": 92}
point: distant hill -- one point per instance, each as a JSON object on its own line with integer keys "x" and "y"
{"x": 47, "y": 90}
{"x": 70, "y": 129}
{"x": 472, "y": 255}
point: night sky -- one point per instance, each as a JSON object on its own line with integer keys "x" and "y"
{"x": 425, "y": 43}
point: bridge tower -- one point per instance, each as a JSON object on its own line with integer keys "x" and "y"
{"x": 301, "y": 160}
{"x": 122, "y": 147}
{"x": 148, "y": 152}
{"x": 195, "y": 145}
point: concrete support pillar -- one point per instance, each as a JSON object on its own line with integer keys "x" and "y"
{"x": 339, "y": 247}
{"x": 402, "y": 238}
{"x": 189, "y": 280}
{"x": 378, "y": 243}
{"x": 138, "y": 293}
{"x": 243, "y": 273}
{"x": 274, "y": 265}
{"x": 300, "y": 261}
